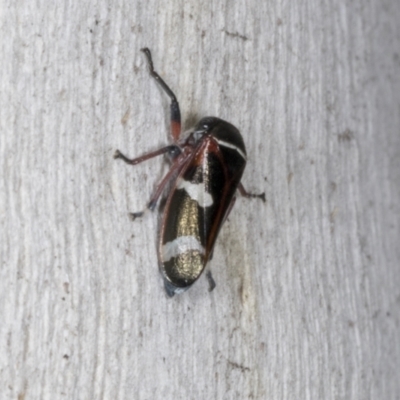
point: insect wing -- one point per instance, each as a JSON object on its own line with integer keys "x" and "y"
{"x": 195, "y": 210}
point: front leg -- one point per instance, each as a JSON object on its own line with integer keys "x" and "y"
{"x": 178, "y": 158}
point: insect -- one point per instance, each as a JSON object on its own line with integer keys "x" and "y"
{"x": 199, "y": 192}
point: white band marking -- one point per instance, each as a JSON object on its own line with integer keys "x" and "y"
{"x": 197, "y": 192}
{"x": 180, "y": 245}
{"x": 231, "y": 146}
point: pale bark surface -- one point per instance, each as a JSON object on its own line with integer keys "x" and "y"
{"x": 308, "y": 285}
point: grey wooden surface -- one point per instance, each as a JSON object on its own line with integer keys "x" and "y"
{"x": 308, "y": 285}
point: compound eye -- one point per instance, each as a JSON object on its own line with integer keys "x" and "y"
{"x": 173, "y": 152}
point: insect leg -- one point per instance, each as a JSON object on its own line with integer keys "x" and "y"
{"x": 245, "y": 193}
{"x": 171, "y": 174}
{"x": 134, "y": 161}
{"x": 174, "y": 107}
{"x": 211, "y": 282}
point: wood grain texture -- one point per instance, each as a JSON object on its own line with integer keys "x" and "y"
{"x": 308, "y": 286}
